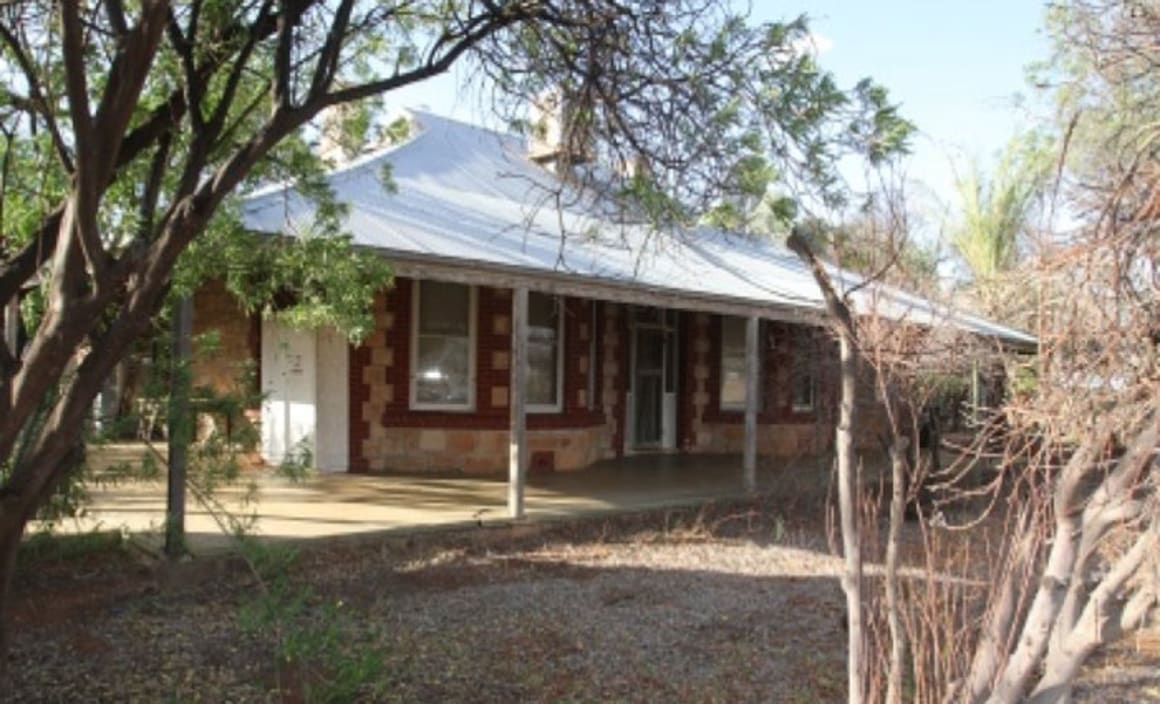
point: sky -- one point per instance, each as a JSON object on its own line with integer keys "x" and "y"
{"x": 955, "y": 68}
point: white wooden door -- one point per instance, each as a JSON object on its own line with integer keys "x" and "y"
{"x": 288, "y": 384}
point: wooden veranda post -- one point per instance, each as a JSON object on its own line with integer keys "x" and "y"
{"x": 752, "y": 367}
{"x": 180, "y": 427}
{"x": 518, "y": 444}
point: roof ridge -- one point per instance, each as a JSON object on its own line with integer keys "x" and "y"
{"x": 346, "y": 167}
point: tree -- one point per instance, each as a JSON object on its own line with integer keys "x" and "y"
{"x": 1067, "y": 467}
{"x": 1071, "y": 520}
{"x": 126, "y": 128}
{"x": 1100, "y": 80}
{"x": 877, "y": 241}
{"x": 905, "y": 364}
{"x": 996, "y": 211}
{"x": 857, "y": 664}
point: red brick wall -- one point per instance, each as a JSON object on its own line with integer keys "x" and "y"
{"x": 358, "y": 394}
{"x": 380, "y": 382}
{"x": 612, "y": 350}
{"x": 782, "y": 430}
{"x": 686, "y": 379}
{"x": 238, "y": 338}
{"x": 361, "y": 376}
{"x": 380, "y": 392}
{"x": 617, "y": 384}
{"x": 492, "y": 367}
{"x": 598, "y": 359}
{"x": 775, "y": 345}
{"x": 576, "y": 413}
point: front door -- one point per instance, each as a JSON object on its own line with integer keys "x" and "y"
{"x": 288, "y": 386}
{"x": 653, "y": 397}
{"x": 304, "y": 405}
{"x": 649, "y": 388}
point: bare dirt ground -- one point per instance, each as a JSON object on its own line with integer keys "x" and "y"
{"x": 735, "y": 603}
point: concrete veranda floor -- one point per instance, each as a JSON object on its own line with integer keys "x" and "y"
{"x": 336, "y": 504}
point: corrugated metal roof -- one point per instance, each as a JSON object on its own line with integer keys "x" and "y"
{"x": 464, "y": 193}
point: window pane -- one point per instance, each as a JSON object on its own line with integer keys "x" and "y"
{"x": 804, "y": 377}
{"x": 444, "y": 308}
{"x": 803, "y": 390}
{"x": 542, "y": 312}
{"x": 541, "y": 373}
{"x": 732, "y": 361}
{"x": 733, "y": 382}
{"x": 543, "y": 349}
{"x": 671, "y": 361}
{"x": 650, "y": 350}
{"x": 648, "y": 315}
{"x": 441, "y": 370}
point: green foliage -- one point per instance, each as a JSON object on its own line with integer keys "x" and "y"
{"x": 387, "y": 177}
{"x": 352, "y": 126}
{"x": 298, "y": 462}
{"x": 1023, "y": 380}
{"x": 308, "y": 635}
{"x": 314, "y": 280}
{"x": 756, "y": 111}
{"x": 68, "y": 500}
{"x": 869, "y": 246}
{"x": 397, "y": 131}
{"x": 214, "y": 459}
{"x": 881, "y": 129}
{"x": 996, "y": 208}
{"x": 992, "y": 231}
{"x": 33, "y": 182}
{"x": 44, "y": 546}
{"x": 1101, "y": 82}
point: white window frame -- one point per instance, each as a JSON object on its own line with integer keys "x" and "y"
{"x": 725, "y": 406}
{"x": 558, "y": 406}
{"x": 472, "y": 338}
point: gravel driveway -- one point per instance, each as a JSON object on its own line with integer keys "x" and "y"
{"x": 717, "y": 606}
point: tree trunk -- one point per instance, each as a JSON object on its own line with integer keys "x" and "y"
{"x": 856, "y": 669}
{"x": 1099, "y": 623}
{"x": 851, "y": 530}
{"x": 893, "y": 616}
{"x": 1009, "y": 578}
{"x": 1038, "y": 624}
{"x": 11, "y": 532}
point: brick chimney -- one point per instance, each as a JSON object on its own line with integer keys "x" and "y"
{"x": 556, "y": 142}
{"x": 330, "y": 141}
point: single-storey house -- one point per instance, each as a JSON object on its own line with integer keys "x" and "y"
{"x": 528, "y": 331}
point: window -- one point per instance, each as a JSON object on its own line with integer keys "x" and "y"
{"x": 732, "y": 363}
{"x": 545, "y": 333}
{"x": 444, "y": 346}
{"x": 804, "y": 381}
